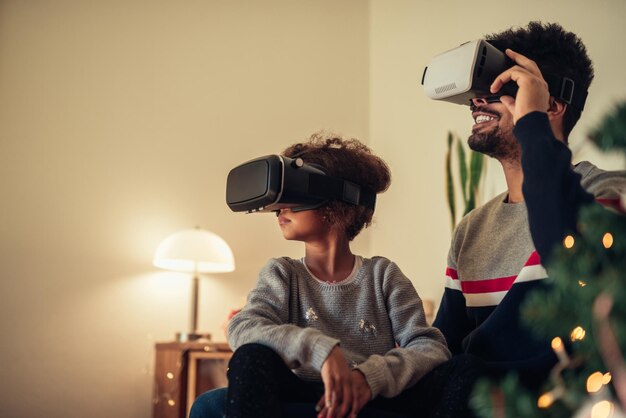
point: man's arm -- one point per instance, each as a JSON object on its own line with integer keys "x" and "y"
{"x": 551, "y": 188}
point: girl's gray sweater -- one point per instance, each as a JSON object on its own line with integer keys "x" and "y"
{"x": 377, "y": 319}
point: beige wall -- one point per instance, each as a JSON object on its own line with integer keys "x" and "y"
{"x": 119, "y": 121}
{"x": 410, "y": 130}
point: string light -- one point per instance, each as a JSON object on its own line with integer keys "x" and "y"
{"x": 548, "y": 398}
{"x": 602, "y": 409}
{"x": 606, "y": 378}
{"x": 171, "y": 402}
{"x": 169, "y": 375}
{"x": 545, "y": 400}
{"x": 568, "y": 242}
{"x": 595, "y": 382}
{"x": 581, "y": 283}
{"x": 607, "y": 240}
{"x": 557, "y": 346}
{"x": 577, "y": 334}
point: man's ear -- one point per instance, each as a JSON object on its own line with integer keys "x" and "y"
{"x": 557, "y": 108}
{"x": 556, "y": 115}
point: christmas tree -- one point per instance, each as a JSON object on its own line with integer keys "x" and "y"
{"x": 583, "y": 312}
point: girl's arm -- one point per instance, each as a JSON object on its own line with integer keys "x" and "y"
{"x": 420, "y": 347}
{"x": 265, "y": 320}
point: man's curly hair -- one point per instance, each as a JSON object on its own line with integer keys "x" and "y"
{"x": 556, "y": 51}
{"x": 347, "y": 159}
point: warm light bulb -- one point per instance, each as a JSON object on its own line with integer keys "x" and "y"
{"x": 577, "y": 333}
{"x": 568, "y": 242}
{"x": 602, "y": 409}
{"x": 594, "y": 382}
{"x": 581, "y": 283}
{"x": 171, "y": 402}
{"x": 606, "y": 378}
{"x": 545, "y": 400}
{"x": 170, "y": 375}
{"x": 607, "y": 240}
{"x": 557, "y": 346}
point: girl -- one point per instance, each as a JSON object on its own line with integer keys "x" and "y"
{"x": 332, "y": 327}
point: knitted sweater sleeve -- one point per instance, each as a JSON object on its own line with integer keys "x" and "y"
{"x": 420, "y": 348}
{"x": 265, "y": 320}
{"x": 551, "y": 188}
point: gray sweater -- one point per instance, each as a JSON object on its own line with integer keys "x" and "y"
{"x": 492, "y": 267}
{"x": 377, "y": 318}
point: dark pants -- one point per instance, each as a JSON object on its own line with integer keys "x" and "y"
{"x": 260, "y": 383}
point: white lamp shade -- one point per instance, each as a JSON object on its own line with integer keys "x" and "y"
{"x": 194, "y": 250}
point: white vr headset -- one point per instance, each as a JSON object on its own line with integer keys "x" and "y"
{"x": 466, "y": 72}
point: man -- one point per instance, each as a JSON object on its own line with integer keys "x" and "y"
{"x": 492, "y": 262}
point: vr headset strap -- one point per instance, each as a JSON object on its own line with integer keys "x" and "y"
{"x": 566, "y": 90}
{"x": 334, "y": 188}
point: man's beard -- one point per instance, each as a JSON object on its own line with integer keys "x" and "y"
{"x": 495, "y": 143}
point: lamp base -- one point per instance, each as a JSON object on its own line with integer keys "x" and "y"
{"x": 183, "y": 337}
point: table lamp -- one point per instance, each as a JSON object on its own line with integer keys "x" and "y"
{"x": 194, "y": 251}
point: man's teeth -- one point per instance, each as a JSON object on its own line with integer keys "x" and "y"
{"x": 483, "y": 118}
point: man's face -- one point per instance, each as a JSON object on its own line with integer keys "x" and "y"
{"x": 492, "y": 133}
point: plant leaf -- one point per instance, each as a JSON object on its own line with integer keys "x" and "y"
{"x": 450, "y": 182}
{"x": 462, "y": 169}
{"x": 475, "y": 172}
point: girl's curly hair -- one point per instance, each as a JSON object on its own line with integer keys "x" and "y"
{"x": 348, "y": 159}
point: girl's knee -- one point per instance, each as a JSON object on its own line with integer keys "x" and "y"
{"x": 254, "y": 357}
{"x": 253, "y": 352}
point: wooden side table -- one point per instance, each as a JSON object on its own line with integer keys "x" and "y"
{"x": 183, "y": 371}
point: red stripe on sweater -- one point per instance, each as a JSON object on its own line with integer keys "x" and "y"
{"x": 533, "y": 260}
{"x": 487, "y": 286}
{"x": 451, "y": 273}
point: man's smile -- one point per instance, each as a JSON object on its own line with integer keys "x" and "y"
{"x": 483, "y": 119}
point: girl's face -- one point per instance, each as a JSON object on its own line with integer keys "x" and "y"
{"x": 305, "y": 226}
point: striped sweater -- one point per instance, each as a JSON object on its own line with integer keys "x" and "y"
{"x": 492, "y": 266}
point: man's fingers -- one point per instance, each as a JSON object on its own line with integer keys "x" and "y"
{"x": 512, "y": 74}
{"x": 502, "y": 79}
{"x": 524, "y": 62}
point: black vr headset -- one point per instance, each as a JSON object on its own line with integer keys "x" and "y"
{"x": 274, "y": 182}
{"x": 467, "y": 71}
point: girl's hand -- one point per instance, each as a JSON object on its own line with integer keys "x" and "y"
{"x": 337, "y": 378}
{"x": 361, "y": 392}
